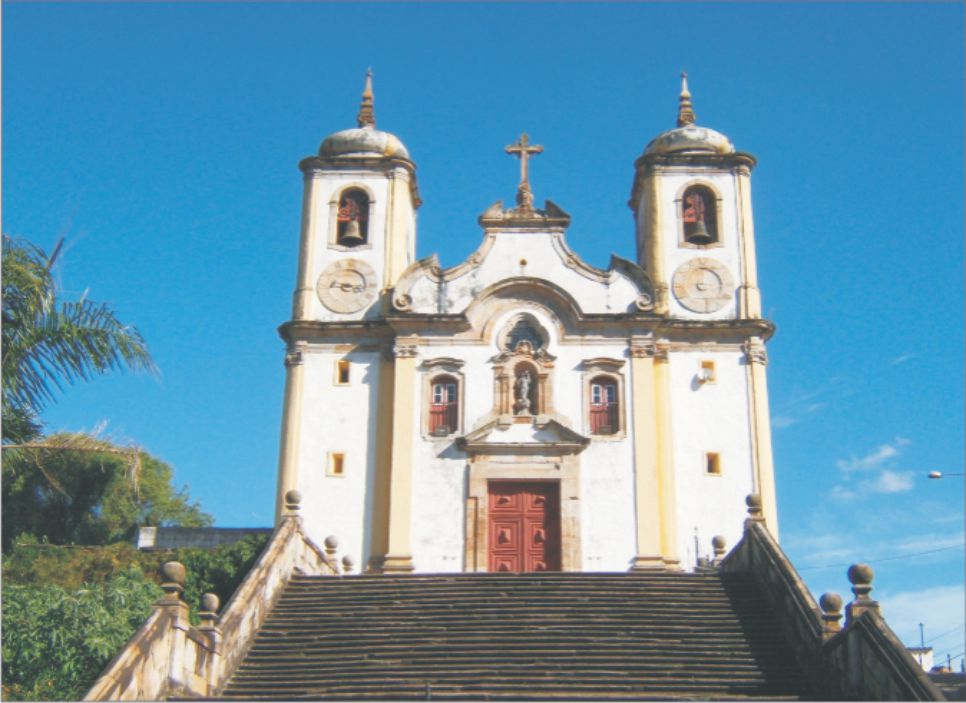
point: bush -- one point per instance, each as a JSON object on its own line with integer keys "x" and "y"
{"x": 68, "y": 610}
{"x": 56, "y": 641}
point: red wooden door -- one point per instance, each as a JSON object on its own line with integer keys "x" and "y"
{"x": 524, "y": 526}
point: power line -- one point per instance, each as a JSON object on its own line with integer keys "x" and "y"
{"x": 947, "y": 632}
{"x": 873, "y": 561}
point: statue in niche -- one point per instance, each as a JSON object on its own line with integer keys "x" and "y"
{"x": 522, "y": 393}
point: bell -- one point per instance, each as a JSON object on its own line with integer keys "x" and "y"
{"x": 699, "y": 234}
{"x": 352, "y": 234}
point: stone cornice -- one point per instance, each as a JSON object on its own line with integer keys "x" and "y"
{"x": 649, "y": 164}
{"x": 618, "y": 325}
{"x": 313, "y": 165}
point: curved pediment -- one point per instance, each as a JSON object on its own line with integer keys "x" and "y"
{"x": 540, "y": 258}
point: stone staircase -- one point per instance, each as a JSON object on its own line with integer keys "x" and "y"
{"x": 544, "y": 636}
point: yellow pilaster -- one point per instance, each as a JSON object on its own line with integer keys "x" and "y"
{"x": 304, "y": 290}
{"x": 653, "y": 472}
{"x": 400, "y": 244}
{"x": 291, "y": 424}
{"x": 399, "y": 555}
{"x": 380, "y": 500}
{"x": 665, "y": 456}
{"x": 756, "y": 359}
{"x": 646, "y": 490}
{"x": 749, "y": 294}
{"x": 654, "y": 263}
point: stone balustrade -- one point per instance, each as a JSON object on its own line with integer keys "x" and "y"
{"x": 169, "y": 657}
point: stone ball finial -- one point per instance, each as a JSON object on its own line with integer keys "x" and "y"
{"x": 753, "y": 501}
{"x": 210, "y": 603}
{"x": 293, "y": 499}
{"x": 173, "y": 572}
{"x": 831, "y": 603}
{"x": 348, "y": 562}
{"x": 860, "y": 574}
{"x": 331, "y": 542}
{"x": 718, "y": 542}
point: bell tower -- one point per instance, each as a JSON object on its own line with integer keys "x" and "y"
{"x": 358, "y": 221}
{"x": 358, "y": 234}
{"x": 695, "y": 235}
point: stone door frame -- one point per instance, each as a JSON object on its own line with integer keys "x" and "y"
{"x": 482, "y": 469}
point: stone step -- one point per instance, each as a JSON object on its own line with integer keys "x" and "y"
{"x": 546, "y": 636}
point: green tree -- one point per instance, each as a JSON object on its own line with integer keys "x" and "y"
{"x": 56, "y": 642}
{"x": 49, "y": 343}
{"x": 54, "y": 493}
{"x": 68, "y": 610}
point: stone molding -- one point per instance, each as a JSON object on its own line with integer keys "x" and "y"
{"x": 408, "y": 349}
{"x": 295, "y": 355}
{"x": 755, "y": 353}
{"x": 658, "y": 350}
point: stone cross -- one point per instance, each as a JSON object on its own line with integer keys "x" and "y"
{"x": 522, "y": 150}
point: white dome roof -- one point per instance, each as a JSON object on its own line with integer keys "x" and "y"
{"x": 361, "y": 142}
{"x": 690, "y": 139}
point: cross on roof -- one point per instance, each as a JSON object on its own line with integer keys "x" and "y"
{"x": 522, "y": 150}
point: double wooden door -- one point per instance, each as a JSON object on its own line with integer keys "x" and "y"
{"x": 524, "y": 526}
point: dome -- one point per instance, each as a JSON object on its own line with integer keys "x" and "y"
{"x": 687, "y": 137}
{"x": 363, "y": 141}
{"x": 690, "y": 139}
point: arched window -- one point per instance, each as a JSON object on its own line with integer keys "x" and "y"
{"x": 353, "y": 218}
{"x": 443, "y": 405}
{"x": 604, "y": 406}
{"x": 699, "y": 215}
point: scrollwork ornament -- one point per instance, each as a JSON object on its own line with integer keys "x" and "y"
{"x": 644, "y": 302}
{"x": 402, "y": 302}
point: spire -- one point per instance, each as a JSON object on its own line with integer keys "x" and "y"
{"x": 685, "y": 113}
{"x": 366, "y": 116}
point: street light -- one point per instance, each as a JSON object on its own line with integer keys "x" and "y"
{"x": 940, "y": 474}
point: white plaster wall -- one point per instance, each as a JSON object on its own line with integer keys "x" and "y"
{"x": 712, "y": 417}
{"x": 440, "y": 469}
{"x": 339, "y": 418}
{"x": 545, "y": 257}
{"x": 671, "y": 185}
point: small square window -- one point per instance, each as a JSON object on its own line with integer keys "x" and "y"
{"x": 342, "y": 372}
{"x": 336, "y": 464}
{"x": 712, "y": 463}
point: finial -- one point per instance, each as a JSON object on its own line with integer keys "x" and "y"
{"x": 831, "y": 604}
{"x": 685, "y": 113}
{"x": 173, "y": 576}
{"x": 367, "y": 116}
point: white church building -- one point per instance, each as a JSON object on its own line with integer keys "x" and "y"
{"x": 524, "y": 410}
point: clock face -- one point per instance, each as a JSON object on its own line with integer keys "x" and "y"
{"x": 703, "y": 285}
{"x": 347, "y": 286}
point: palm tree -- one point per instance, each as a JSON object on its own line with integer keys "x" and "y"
{"x": 48, "y": 343}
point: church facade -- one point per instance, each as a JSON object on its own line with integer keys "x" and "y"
{"x": 524, "y": 410}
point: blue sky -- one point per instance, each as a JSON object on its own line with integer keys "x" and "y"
{"x": 162, "y": 140}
